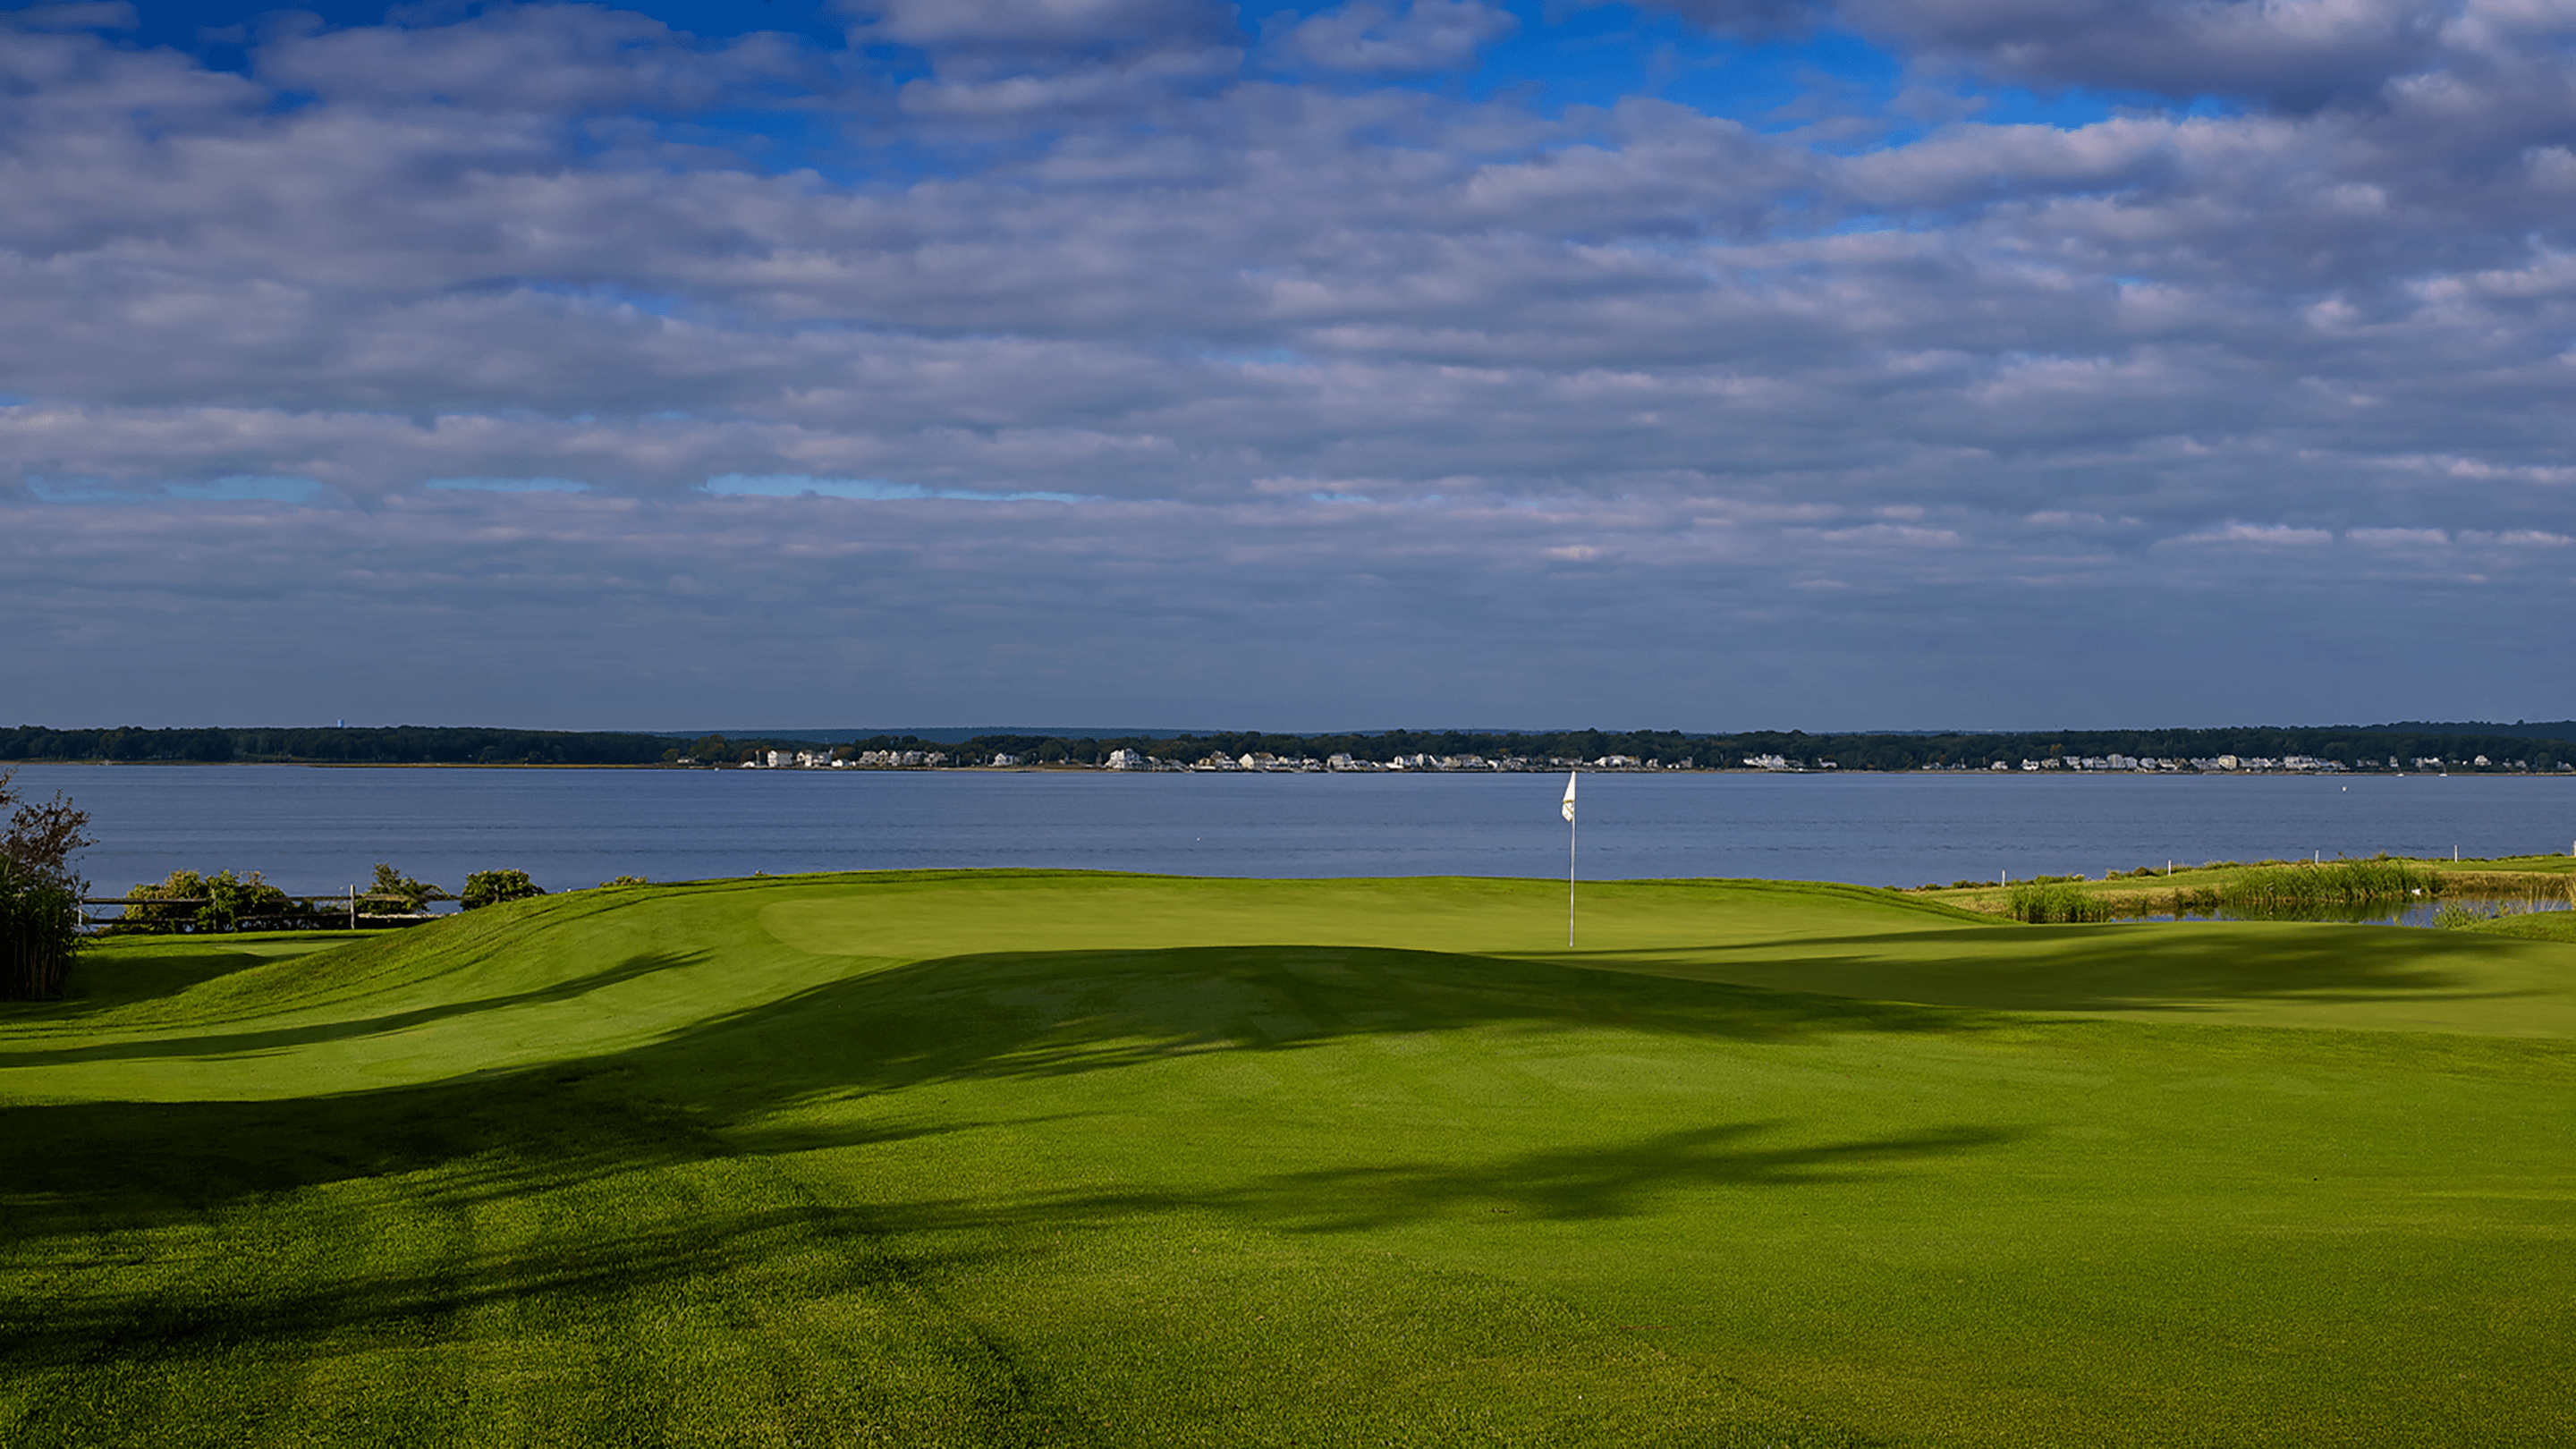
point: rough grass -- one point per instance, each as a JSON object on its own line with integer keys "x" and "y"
{"x": 1053, "y": 1159}
{"x": 2280, "y": 888}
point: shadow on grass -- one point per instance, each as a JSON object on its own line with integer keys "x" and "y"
{"x": 1053, "y": 1013}
{"x": 210, "y": 1317}
{"x": 2094, "y": 968}
{"x": 1592, "y": 1182}
{"x": 587, "y": 1189}
{"x": 243, "y": 1042}
{"x": 80, "y": 1166}
{"x": 604, "y": 1250}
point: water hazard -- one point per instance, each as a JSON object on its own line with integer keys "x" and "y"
{"x": 314, "y": 830}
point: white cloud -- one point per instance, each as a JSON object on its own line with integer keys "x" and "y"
{"x": 1427, "y": 35}
{"x": 2260, "y": 535}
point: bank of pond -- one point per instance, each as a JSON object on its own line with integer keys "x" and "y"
{"x": 2379, "y": 890}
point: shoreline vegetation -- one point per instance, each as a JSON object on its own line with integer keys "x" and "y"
{"x": 2332, "y": 750}
{"x": 2273, "y": 889}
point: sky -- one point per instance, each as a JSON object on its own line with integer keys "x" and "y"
{"x": 1698, "y": 364}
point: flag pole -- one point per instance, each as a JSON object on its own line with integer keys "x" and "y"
{"x": 1567, "y": 809}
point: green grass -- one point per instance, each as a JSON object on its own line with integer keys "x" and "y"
{"x": 1056, "y": 1159}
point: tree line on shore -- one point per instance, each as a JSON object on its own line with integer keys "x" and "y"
{"x": 386, "y": 745}
{"x": 2359, "y": 748}
{"x": 2537, "y": 747}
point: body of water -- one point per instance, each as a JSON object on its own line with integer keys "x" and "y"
{"x": 315, "y": 830}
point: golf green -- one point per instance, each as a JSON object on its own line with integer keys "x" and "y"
{"x": 1053, "y": 1158}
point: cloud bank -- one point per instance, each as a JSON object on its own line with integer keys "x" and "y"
{"x": 1111, "y": 337}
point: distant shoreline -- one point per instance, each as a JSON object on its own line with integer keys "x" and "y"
{"x": 2342, "y": 749}
{"x": 2348, "y": 773}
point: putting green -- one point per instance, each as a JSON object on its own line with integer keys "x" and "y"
{"x": 1062, "y": 1159}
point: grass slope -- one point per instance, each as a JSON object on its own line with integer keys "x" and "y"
{"x": 1057, "y": 1159}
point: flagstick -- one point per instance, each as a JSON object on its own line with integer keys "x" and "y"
{"x": 1567, "y": 809}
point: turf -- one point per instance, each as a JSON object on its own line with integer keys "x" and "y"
{"x": 1060, "y": 1159}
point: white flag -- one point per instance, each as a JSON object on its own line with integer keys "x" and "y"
{"x": 1567, "y": 810}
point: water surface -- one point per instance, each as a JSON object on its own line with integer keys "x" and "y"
{"x": 320, "y": 829}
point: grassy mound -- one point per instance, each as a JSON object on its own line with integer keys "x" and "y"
{"x": 1037, "y": 1158}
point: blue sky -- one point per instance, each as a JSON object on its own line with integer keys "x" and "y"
{"x": 1705, "y": 364}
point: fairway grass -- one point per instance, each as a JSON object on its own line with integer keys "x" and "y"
{"x": 1055, "y": 1158}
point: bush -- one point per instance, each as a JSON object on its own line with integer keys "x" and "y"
{"x": 40, "y": 892}
{"x": 187, "y": 901}
{"x": 167, "y": 906}
{"x": 623, "y": 880}
{"x": 492, "y": 887}
{"x": 39, "y": 932}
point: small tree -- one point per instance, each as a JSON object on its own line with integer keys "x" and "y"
{"x": 413, "y": 895}
{"x": 492, "y": 887}
{"x": 236, "y": 903}
{"x": 39, "y": 891}
{"x": 145, "y": 910}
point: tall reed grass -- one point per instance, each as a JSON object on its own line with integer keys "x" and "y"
{"x": 2302, "y": 887}
{"x": 2055, "y": 902}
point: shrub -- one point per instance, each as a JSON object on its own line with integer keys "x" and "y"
{"x": 492, "y": 887}
{"x": 241, "y": 903}
{"x": 167, "y": 906}
{"x": 39, "y": 932}
{"x": 40, "y": 892}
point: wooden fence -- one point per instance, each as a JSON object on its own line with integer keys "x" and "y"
{"x": 350, "y": 897}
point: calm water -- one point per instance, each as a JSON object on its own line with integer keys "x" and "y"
{"x": 314, "y": 830}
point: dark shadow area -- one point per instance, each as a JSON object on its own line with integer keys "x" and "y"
{"x": 1593, "y": 1181}
{"x": 240, "y": 1042}
{"x": 103, "y": 982}
{"x": 605, "y": 1261}
{"x": 2087, "y": 968}
{"x": 83, "y": 1167}
{"x": 1042, "y": 1014}
{"x": 145, "y": 978}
